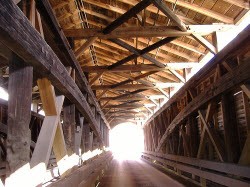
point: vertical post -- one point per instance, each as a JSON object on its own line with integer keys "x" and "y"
{"x": 78, "y": 135}
{"x": 86, "y": 130}
{"x": 69, "y": 127}
{"x": 230, "y": 128}
{"x": 245, "y": 154}
{"x": 19, "y": 114}
{"x": 91, "y": 137}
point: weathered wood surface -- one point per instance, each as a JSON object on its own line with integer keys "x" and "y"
{"x": 239, "y": 75}
{"x": 139, "y": 67}
{"x": 69, "y": 127}
{"x": 135, "y": 173}
{"x": 46, "y": 11}
{"x": 19, "y": 114}
{"x": 130, "y": 13}
{"x": 128, "y": 32}
{"x": 15, "y": 28}
{"x": 85, "y": 173}
{"x": 177, "y": 162}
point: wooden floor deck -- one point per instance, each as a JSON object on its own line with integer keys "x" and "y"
{"x": 135, "y": 173}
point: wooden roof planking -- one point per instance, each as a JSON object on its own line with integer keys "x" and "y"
{"x": 116, "y": 41}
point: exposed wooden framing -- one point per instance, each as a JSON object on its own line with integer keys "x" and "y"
{"x": 212, "y": 135}
{"x": 239, "y": 3}
{"x": 133, "y": 3}
{"x": 142, "y": 52}
{"x": 19, "y": 114}
{"x": 51, "y": 133}
{"x": 128, "y": 32}
{"x": 178, "y": 163}
{"x": 146, "y": 31}
{"x": 246, "y": 88}
{"x": 94, "y": 13}
{"x": 27, "y": 49}
{"x": 44, "y": 143}
{"x": 130, "y": 13}
{"x": 80, "y": 78}
{"x": 100, "y": 96}
{"x": 137, "y": 52}
{"x": 174, "y": 124}
{"x": 91, "y": 136}
{"x": 69, "y": 127}
{"x": 94, "y": 79}
{"x": 185, "y": 142}
{"x": 123, "y": 99}
{"x": 175, "y": 73}
{"x": 205, "y": 43}
{"x": 139, "y": 67}
{"x": 230, "y": 128}
{"x": 169, "y": 50}
{"x": 205, "y": 96}
{"x": 169, "y": 13}
{"x": 122, "y": 87}
{"x": 244, "y": 157}
{"x": 131, "y": 79}
{"x": 86, "y": 131}
{"x": 154, "y": 9}
{"x": 85, "y": 46}
{"x": 125, "y": 106}
{"x": 187, "y": 46}
{"x": 222, "y": 167}
{"x": 203, "y": 11}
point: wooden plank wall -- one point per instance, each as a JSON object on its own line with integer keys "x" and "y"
{"x": 57, "y": 84}
{"x": 208, "y": 118}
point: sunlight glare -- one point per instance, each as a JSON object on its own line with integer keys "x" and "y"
{"x": 3, "y": 94}
{"x": 126, "y": 141}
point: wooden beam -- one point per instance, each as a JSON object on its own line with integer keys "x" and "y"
{"x": 176, "y": 74}
{"x": 242, "y": 75}
{"x": 78, "y": 136}
{"x": 214, "y": 138}
{"x": 133, "y": 3}
{"x": 139, "y": 67}
{"x": 170, "y": 14}
{"x": 123, "y": 99}
{"x": 81, "y": 80}
{"x": 131, "y": 79}
{"x": 204, "y": 43}
{"x": 230, "y": 128}
{"x": 19, "y": 114}
{"x": 42, "y": 151}
{"x": 125, "y": 106}
{"x": 85, "y": 46}
{"x": 142, "y": 52}
{"x": 130, "y": 13}
{"x": 246, "y": 88}
{"x": 47, "y": 94}
{"x": 239, "y": 3}
{"x": 29, "y": 49}
{"x": 245, "y": 156}
{"x": 168, "y": 84}
{"x": 129, "y": 93}
{"x": 130, "y": 32}
{"x": 86, "y": 130}
{"x": 204, "y": 11}
{"x": 122, "y": 87}
{"x": 194, "y": 167}
{"x": 94, "y": 79}
{"x": 137, "y": 52}
{"x": 69, "y": 127}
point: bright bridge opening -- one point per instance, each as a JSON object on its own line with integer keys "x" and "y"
{"x": 126, "y": 141}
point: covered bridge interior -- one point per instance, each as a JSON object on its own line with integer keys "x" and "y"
{"x": 74, "y": 70}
